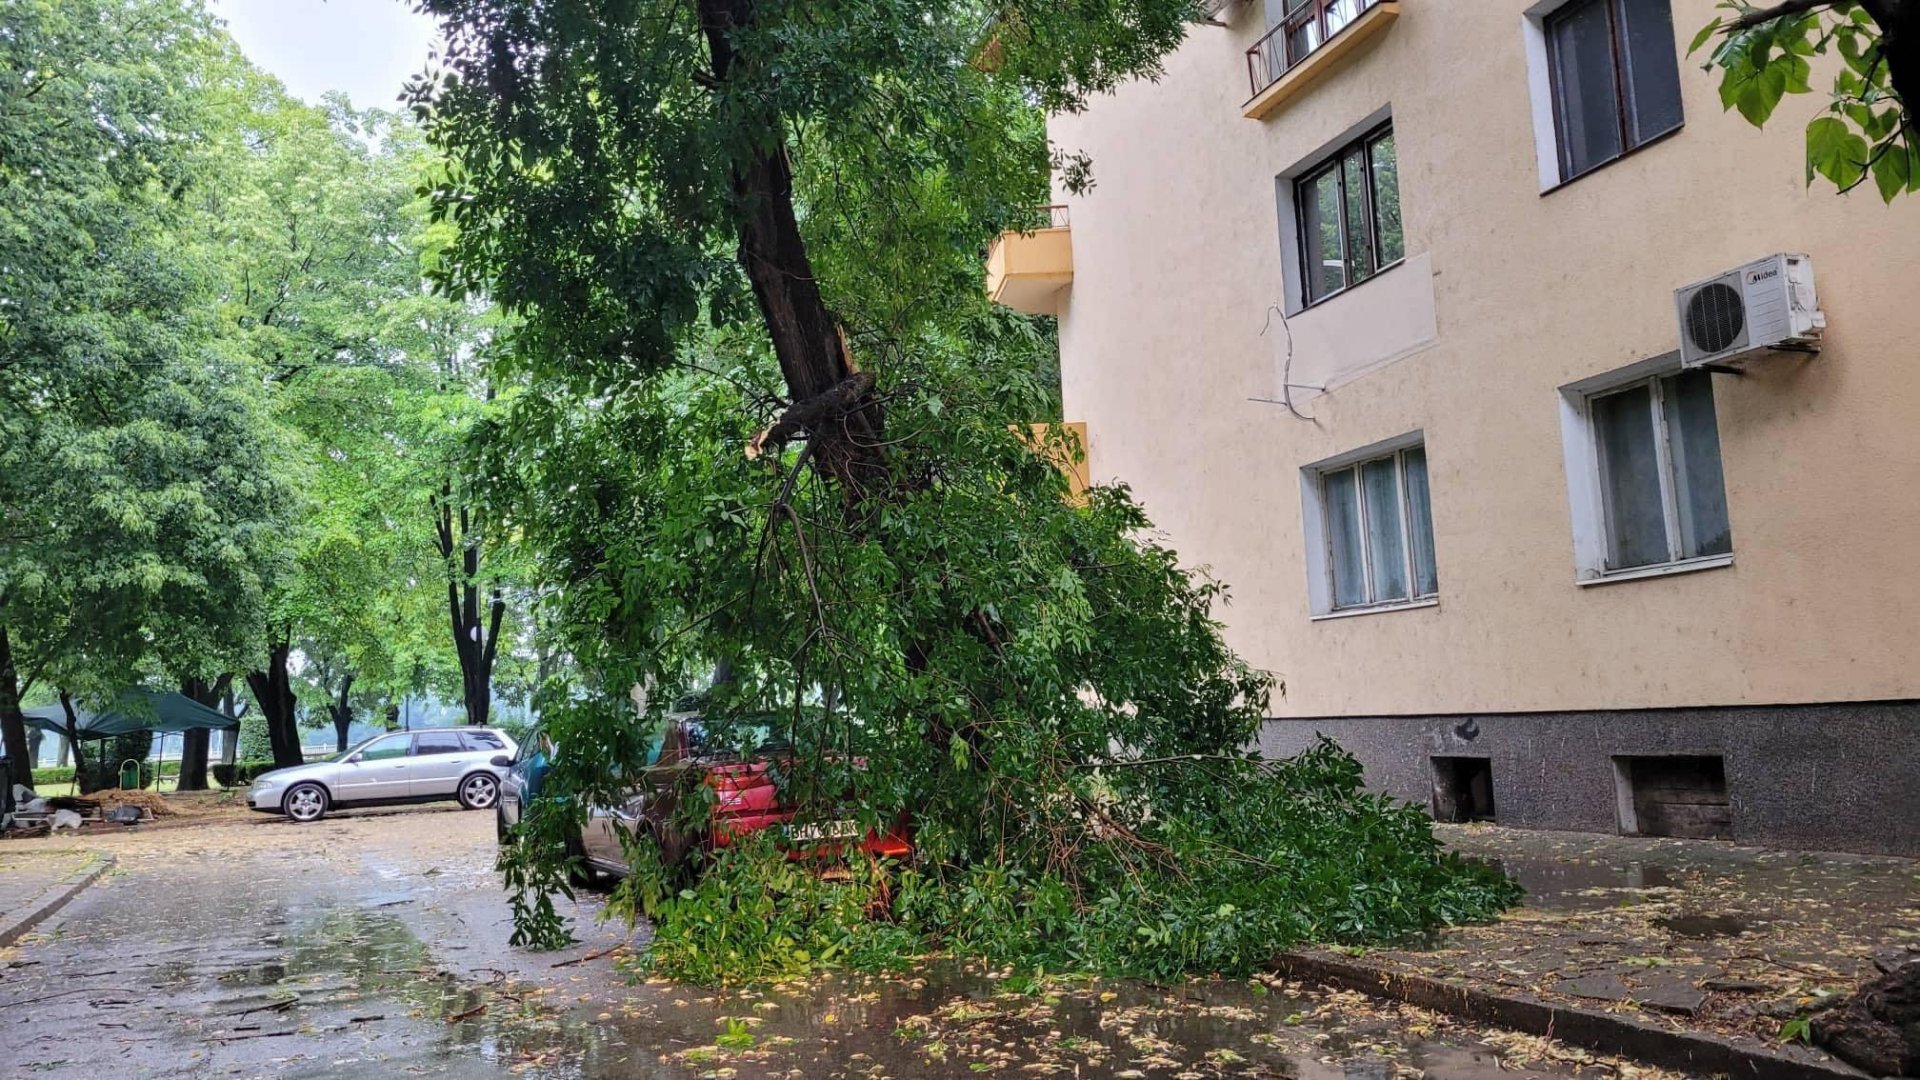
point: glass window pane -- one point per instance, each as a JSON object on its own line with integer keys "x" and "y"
{"x": 1630, "y": 479}
{"x": 394, "y": 746}
{"x": 1652, "y": 60}
{"x": 437, "y": 742}
{"x": 1388, "y": 231}
{"x": 1359, "y": 236}
{"x": 1340, "y": 13}
{"x": 1342, "y": 499}
{"x": 1693, "y": 440}
{"x": 1426, "y": 576}
{"x": 1586, "y": 98}
{"x": 1386, "y": 538}
{"x": 1319, "y": 198}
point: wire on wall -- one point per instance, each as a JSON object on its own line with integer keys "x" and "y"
{"x": 1286, "y": 367}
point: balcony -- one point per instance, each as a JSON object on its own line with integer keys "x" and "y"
{"x": 1312, "y": 42}
{"x": 1027, "y": 270}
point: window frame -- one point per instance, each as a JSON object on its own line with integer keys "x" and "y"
{"x": 1587, "y": 489}
{"x": 1322, "y": 590}
{"x": 1335, "y": 162}
{"x": 1622, "y": 90}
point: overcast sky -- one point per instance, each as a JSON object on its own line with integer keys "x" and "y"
{"x": 367, "y": 48}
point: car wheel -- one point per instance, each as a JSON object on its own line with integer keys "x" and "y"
{"x": 500, "y": 824}
{"x": 479, "y": 791}
{"x": 580, "y": 873}
{"x": 305, "y": 802}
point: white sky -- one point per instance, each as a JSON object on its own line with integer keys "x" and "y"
{"x": 367, "y": 48}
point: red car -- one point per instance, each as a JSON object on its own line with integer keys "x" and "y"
{"x": 746, "y": 801}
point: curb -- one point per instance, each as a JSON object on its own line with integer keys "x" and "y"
{"x": 36, "y": 911}
{"x": 1607, "y": 1033}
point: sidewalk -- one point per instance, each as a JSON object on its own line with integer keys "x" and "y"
{"x": 1693, "y": 937}
{"x": 35, "y": 884}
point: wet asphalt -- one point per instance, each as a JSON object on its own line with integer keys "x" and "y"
{"x": 375, "y": 944}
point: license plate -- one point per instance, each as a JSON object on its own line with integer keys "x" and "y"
{"x": 828, "y": 830}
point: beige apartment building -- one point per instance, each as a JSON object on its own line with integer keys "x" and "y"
{"x": 1373, "y": 304}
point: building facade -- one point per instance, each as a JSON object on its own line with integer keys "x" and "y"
{"x": 1373, "y": 306}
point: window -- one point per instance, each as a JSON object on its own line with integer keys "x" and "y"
{"x": 1372, "y": 517}
{"x": 484, "y": 740}
{"x": 437, "y": 742}
{"x": 1349, "y": 215}
{"x": 1462, "y": 789}
{"x": 393, "y": 746}
{"x": 1615, "y": 77}
{"x": 1660, "y": 482}
{"x": 1643, "y": 472}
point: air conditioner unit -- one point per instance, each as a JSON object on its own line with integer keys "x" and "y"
{"x": 1220, "y": 12}
{"x": 1765, "y": 305}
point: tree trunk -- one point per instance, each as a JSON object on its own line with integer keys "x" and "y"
{"x": 66, "y": 753}
{"x": 343, "y": 713}
{"x": 230, "y": 741}
{"x": 196, "y": 742}
{"x": 273, "y": 691}
{"x": 13, "y": 722}
{"x": 1899, "y": 23}
{"x": 807, "y": 339}
{"x": 476, "y": 635}
{"x": 80, "y": 777}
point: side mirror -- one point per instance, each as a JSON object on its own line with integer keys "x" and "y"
{"x": 354, "y": 760}
{"x": 501, "y": 761}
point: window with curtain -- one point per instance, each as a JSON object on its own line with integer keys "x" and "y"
{"x": 1615, "y": 70}
{"x": 1379, "y": 530}
{"x": 1349, "y": 210}
{"x": 1661, "y": 487}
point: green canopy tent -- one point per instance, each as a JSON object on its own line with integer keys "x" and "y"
{"x": 131, "y": 711}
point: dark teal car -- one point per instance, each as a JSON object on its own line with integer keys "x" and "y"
{"x": 525, "y": 769}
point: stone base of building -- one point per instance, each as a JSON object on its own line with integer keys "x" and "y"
{"x": 1830, "y": 777}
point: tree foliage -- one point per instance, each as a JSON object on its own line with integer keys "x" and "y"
{"x": 765, "y": 433}
{"x": 1867, "y": 129}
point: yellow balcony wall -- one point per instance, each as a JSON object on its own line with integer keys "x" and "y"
{"x": 1068, "y": 455}
{"x": 1026, "y": 271}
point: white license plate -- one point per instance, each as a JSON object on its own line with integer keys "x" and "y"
{"x": 829, "y": 830}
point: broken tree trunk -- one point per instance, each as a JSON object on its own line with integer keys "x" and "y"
{"x": 1877, "y": 1029}
{"x": 845, "y": 430}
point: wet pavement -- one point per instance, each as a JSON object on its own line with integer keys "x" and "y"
{"x": 374, "y": 945}
{"x": 1692, "y": 934}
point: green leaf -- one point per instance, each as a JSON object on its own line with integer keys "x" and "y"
{"x": 1893, "y": 170}
{"x": 1706, "y": 32}
{"x": 1835, "y": 151}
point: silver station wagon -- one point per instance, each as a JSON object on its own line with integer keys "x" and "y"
{"x": 399, "y": 767}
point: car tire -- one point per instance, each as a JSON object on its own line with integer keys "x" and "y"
{"x": 479, "y": 790}
{"x": 307, "y": 802}
{"x": 500, "y": 823}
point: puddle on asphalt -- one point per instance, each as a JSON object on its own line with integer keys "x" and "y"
{"x": 1554, "y": 885}
{"x": 1702, "y": 926}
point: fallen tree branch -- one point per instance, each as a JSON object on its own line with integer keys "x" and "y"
{"x": 589, "y": 956}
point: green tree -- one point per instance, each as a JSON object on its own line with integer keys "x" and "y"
{"x": 1867, "y": 129}
{"x": 134, "y": 506}
{"x": 764, "y": 430}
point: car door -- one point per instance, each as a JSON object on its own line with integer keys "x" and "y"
{"x": 378, "y": 771}
{"x": 440, "y": 759}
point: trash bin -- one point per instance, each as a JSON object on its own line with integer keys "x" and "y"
{"x": 130, "y": 775}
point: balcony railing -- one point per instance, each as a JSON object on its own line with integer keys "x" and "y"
{"x": 1308, "y": 25}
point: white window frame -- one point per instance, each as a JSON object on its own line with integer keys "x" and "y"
{"x": 1319, "y": 541}
{"x": 1586, "y": 493}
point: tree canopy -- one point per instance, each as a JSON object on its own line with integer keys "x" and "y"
{"x": 765, "y": 456}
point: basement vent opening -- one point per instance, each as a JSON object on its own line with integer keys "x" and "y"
{"x": 1678, "y": 795}
{"x": 1462, "y": 789}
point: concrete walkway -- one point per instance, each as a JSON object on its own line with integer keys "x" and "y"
{"x": 35, "y": 884}
{"x": 1686, "y": 936}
